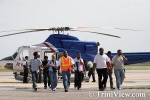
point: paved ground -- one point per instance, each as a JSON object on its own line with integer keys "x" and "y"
{"x": 11, "y": 89}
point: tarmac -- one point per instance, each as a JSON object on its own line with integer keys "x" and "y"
{"x": 12, "y": 89}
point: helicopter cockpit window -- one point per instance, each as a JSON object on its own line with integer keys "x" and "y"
{"x": 49, "y": 54}
{"x": 59, "y": 54}
{"x": 23, "y": 54}
{"x": 15, "y": 54}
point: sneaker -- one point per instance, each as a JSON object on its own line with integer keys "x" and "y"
{"x": 105, "y": 88}
{"x": 75, "y": 87}
{"x": 66, "y": 90}
{"x": 119, "y": 89}
{"x": 54, "y": 89}
{"x": 79, "y": 88}
{"x": 45, "y": 87}
{"x": 35, "y": 89}
{"x": 112, "y": 88}
{"x": 101, "y": 89}
{"x": 93, "y": 81}
{"x": 49, "y": 86}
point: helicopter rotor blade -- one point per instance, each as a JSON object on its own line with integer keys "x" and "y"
{"x": 69, "y": 28}
{"x": 97, "y": 33}
{"x": 25, "y": 30}
{"x": 35, "y": 30}
{"x": 80, "y": 27}
{"x": 11, "y": 31}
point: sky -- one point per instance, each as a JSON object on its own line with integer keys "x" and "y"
{"x": 28, "y": 14}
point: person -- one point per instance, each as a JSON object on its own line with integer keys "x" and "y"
{"x": 25, "y": 66}
{"x": 85, "y": 65}
{"x": 109, "y": 68}
{"x": 46, "y": 72}
{"x": 39, "y": 74}
{"x": 66, "y": 64}
{"x": 84, "y": 71}
{"x": 53, "y": 72}
{"x": 34, "y": 65}
{"x": 89, "y": 66}
{"x": 101, "y": 68}
{"x": 118, "y": 64}
{"x": 78, "y": 71}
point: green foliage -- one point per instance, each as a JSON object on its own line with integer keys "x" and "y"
{"x": 137, "y": 67}
{"x": 138, "y": 87}
{"x": 141, "y": 64}
{"x": 5, "y": 70}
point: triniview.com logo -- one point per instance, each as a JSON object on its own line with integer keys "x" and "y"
{"x": 115, "y": 94}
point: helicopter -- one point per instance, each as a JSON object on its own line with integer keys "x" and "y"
{"x": 57, "y": 43}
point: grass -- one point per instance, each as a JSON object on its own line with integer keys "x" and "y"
{"x": 5, "y": 70}
{"x": 141, "y": 64}
{"x": 137, "y": 67}
{"x": 138, "y": 87}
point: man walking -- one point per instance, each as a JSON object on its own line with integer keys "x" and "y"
{"x": 66, "y": 63}
{"x": 101, "y": 68}
{"x": 78, "y": 71}
{"x": 46, "y": 72}
{"x": 40, "y": 70}
{"x": 109, "y": 68}
{"x": 34, "y": 67}
{"x": 25, "y": 66}
{"x": 53, "y": 72}
{"x": 118, "y": 64}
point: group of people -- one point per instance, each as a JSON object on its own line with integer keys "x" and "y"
{"x": 104, "y": 67}
{"x": 50, "y": 71}
{"x": 66, "y": 64}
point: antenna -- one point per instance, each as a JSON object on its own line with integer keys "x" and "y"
{"x": 30, "y": 43}
{"x": 87, "y": 37}
{"x": 24, "y": 42}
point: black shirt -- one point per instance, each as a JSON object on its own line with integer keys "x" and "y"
{"x": 44, "y": 63}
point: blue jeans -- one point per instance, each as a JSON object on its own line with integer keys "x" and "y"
{"x": 110, "y": 79}
{"x": 119, "y": 73}
{"x": 66, "y": 79}
{"x": 53, "y": 78}
{"x": 34, "y": 79}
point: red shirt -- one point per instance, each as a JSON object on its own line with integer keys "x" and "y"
{"x": 108, "y": 64}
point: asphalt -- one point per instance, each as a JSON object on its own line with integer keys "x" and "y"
{"x": 12, "y": 89}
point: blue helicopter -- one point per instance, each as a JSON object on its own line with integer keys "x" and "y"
{"x": 73, "y": 45}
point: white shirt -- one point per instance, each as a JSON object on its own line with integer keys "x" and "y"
{"x": 35, "y": 63}
{"x": 25, "y": 63}
{"x": 59, "y": 63}
{"x": 80, "y": 67}
{"x": 51, "y": 62}
{"x": 100, "y": 61}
